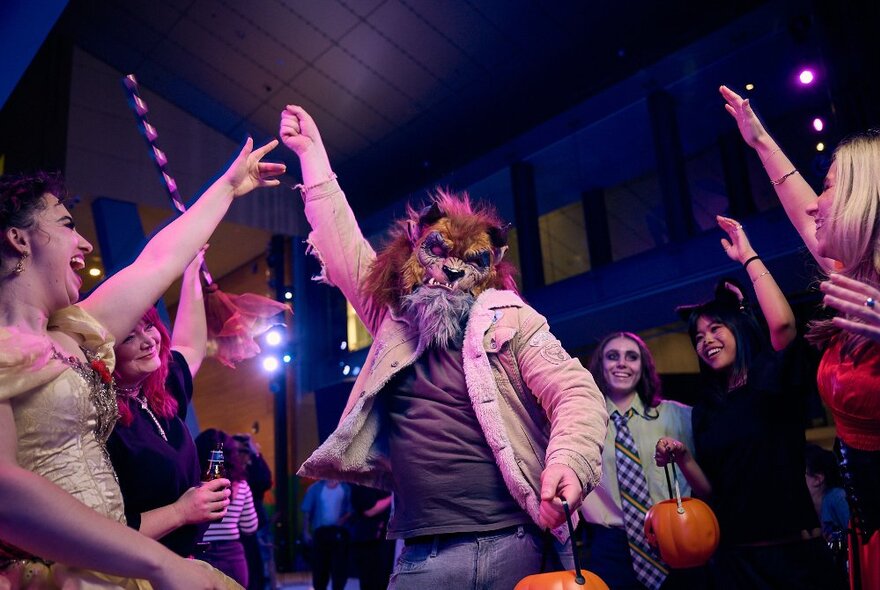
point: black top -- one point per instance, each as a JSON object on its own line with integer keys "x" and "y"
{"x": 367, "y": 528}
{"x": 152, "y": 472}
{"x": 750, "y": 444}
{"x": 259, "y": 478}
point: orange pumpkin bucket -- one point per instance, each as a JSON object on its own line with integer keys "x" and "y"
{"x": 576, "y": 579}
{"x": 566, "y": 580}
{"x": 684, "y": 530}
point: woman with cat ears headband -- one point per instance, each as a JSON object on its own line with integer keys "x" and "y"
{"x": 748, "y": 428}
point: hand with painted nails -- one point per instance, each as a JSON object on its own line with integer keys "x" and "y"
{"x": 736, "y": 245}
{"x": 860, "y": 302}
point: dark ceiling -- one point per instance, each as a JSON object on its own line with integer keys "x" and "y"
{"x": 403, "y": 90}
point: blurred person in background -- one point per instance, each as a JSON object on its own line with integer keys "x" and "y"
{"x": 226, "y": 551}
{"x": 259, "y": 478}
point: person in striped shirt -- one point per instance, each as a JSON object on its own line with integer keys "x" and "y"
{"x": 226, "y": 553}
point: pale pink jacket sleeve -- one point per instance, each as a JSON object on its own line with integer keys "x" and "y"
{"x": 345, "y": 255}
{"x": 570, "y": 397}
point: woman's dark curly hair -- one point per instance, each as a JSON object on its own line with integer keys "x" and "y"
{"x": 21, "y": 197}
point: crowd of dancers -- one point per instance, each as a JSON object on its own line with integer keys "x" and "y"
{"x": 469, "y": 410}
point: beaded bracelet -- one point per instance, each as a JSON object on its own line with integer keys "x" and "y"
{"x": 304, "y": 189}
{"x": 783, "y": 178}
{"x": 750, "y": 260}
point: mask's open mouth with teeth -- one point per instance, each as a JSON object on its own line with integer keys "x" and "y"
{"x": 432, "y": 282}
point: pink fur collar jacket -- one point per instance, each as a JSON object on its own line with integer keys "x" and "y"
{"x": 536, "y": 405}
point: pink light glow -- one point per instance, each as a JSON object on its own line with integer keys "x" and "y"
{"x": 818, "y": 124}
{"x": 806, "y": 77}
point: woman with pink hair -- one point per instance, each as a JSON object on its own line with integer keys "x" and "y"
{"x": 150, "y": 447}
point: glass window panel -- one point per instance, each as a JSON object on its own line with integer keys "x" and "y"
{"x": 356, "y": 331}
{"x": 708, "y": 190}
{"x": 636, "y": 218}
{"x": 564, "y": 243}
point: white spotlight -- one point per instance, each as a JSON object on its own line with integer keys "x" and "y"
{"x": 274, "y": 337}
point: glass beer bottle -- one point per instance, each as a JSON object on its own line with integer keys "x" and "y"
{"x": 216, "y": 465}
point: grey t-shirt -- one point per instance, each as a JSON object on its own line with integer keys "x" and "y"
{"x": 445, "y": 476}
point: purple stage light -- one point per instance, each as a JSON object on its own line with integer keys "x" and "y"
{"x": 806, "y": 77}
{"x": 818, "y": 124}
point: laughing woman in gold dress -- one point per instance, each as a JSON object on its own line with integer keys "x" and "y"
{"x": 61, "y": 513}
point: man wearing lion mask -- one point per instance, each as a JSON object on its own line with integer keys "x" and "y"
{"x": 467, "y": 407}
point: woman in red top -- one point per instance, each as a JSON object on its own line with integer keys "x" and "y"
{"x": 840, "y": 228}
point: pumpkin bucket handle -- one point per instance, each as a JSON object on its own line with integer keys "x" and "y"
{"x": 668, "y": 481}
{"x": 578, "y": 576}
{"x": 674, "y": 481}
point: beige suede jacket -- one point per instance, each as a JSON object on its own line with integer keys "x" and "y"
{"x": 536, "y": 405}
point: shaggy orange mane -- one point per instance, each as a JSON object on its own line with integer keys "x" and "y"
{"x": 466, "y": 226}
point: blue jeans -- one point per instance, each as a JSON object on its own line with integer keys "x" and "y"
{"x": 494, "y": 560}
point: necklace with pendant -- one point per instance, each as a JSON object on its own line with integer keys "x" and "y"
{"x": 143, "y": 403}
{"x": 136, "y": 394}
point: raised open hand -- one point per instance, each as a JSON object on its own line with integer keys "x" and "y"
{"x": 737, "y": 246}
{"x": 750, "y": 127}
{"x": 858, "y": 300}
{"x": 248, "y": 171}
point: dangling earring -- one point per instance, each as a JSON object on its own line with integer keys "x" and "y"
{"x": 19, "y": 268}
